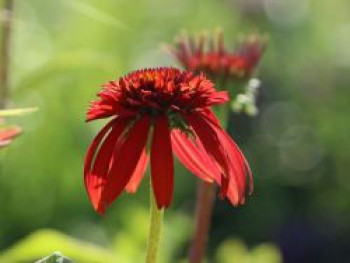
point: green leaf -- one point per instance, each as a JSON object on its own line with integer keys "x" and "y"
{"x": 56, "y": 257}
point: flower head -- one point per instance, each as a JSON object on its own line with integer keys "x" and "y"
{"x": 209, "y": 54}
{"x": 174, "y": 105}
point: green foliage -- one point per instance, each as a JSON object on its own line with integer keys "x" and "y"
{"x": 44, "y": 242}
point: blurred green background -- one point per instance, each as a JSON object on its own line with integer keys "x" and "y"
{"x": 62, "y": 51}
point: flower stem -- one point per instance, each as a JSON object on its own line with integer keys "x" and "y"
{"x": 155, "y": 228}
{"x": 5, "y": 51}
{"x": 204, "y": 210}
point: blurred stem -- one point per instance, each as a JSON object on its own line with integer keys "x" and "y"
{"x": 204, "y": 211}
{"x": 205, "y": 203}
{"x": 5, "y": 50}
{"x": 155, "y": 228}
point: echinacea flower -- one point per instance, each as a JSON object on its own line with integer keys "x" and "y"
{"x": 155, "y": 112}
{"x": 209, "y": 55}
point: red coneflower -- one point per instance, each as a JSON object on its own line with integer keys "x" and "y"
{"x": 208, "y": 54}
{"x": 174, "y": 105}
{"x": 227, "y": 69}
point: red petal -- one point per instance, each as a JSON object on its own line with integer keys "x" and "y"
{"x": 214, "y": 147}
{"x": 162, "y": 163}
{"x": 218, "y": 97}
{"x": 210, "y": 140}
{"x": 140, "y": 169}
{"x": 235, "y": 187}
{"x": 124, "y": 162}
{"x": 97, "y": 111}
{"x": 237, "y": 161}
{"x": 91, "y": 152}
{"x": 243, "y": 161}
{"x": 98, "y": 176}
{"x": 240, "y": 168}
{"x": 8, "y": 134}
{"x": 194, "y": 157}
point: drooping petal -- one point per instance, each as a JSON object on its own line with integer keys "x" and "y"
{"x": 242, "y": 161}
{"x": 162, "y": 163}
{"x": 240, "y": 168}
{"x": 124, "y": 161}
{"x": 209, "y": 139}
{"x": 92, "y": 149}
{"x": 237, "y": 161}
{"x": 137, "y": 176}
{"x": 98, "y": 176}
{"x": 194, "y": 157}
{"x": 233, "y": 186}
{"x": 226, "y": 153}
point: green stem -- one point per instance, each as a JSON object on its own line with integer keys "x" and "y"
{"x": 155, "y": 228}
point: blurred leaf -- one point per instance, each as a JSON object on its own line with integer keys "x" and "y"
{"x": 16, "y": 112}
{"x": 95, "y": 14}
{"x": 43, "y": 242}
{"x": 232, "y": 251}
{"x": 268, "y": 253}
{"x": 235, "y": 250}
